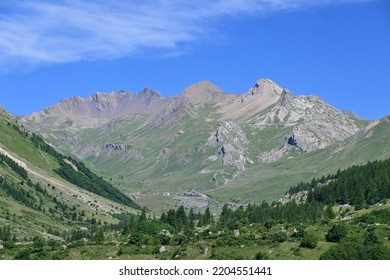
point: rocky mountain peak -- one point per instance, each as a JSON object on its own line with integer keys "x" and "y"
{"x": 262, "y": 95}
{"x": 148, "y": 92}
{"x": 201, "y": 88}
{"x": 265, "y": 86}
{"x": 202, "y": 93}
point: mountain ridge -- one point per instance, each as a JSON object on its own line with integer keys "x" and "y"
{"x": 204, "y": 139}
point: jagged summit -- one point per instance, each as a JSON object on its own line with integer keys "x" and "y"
{"x": 259, "y": 97}
{"x": 150, "y": 92}
{"x": 265, "y": 86}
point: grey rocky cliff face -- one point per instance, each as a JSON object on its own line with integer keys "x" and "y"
{"x": 265, "y": 87}
{"x": 314, "y": 124}
{"x": 232, "y": 143}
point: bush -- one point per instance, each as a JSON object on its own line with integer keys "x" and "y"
{"x": 278, "y": 236}
{"x": 309, "y": 241}
{"x": 371, "y": 238}
{"x": 336, "y": 233}
{"x": 9, "y": 244}
{"x": 23, "y": 255}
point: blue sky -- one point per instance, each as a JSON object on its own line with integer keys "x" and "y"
{"x": 339, "y": 50}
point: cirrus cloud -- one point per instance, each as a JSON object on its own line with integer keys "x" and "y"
{"x": 36, "y": 32}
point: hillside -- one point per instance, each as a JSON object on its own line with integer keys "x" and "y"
{"x": 228, "y": 147}
{"x": 37, "y": 200}
{"x": 329, "y": 221}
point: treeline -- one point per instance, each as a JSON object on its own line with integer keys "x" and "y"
{"x": 302, "y": 186}
{"x": 14, "y": 166}
{"x": 358, "y": 185}
{"x": 267, "y": 214}
{"x": 19, "y": 129}
{"x": 179, "y": 219}
{"x": 172, "y": 228}
{"x": 35, "y": 139}
{"x": 43, "y": 146}
{"x": 89, "y": 181}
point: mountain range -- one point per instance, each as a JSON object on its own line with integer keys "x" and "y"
{"x": 206, "y": 147}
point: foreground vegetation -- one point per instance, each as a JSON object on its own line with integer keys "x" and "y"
{"x": 315, "y": 227}
{"x": 363, "y": 236}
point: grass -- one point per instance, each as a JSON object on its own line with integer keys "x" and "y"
{"x": 21, "y": 146}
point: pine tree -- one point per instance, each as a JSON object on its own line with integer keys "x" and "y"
{"x": 181, "y": 217}
{"x": 207, "y": 216}
{"x": 171, "y": 217}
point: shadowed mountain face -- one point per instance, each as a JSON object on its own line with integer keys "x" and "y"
{"x": 248, "y": 147}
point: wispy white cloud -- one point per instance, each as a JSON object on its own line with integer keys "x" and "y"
{"x": 35, "y": 32}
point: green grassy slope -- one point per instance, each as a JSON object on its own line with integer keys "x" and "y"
{"x": 34, "y": 200}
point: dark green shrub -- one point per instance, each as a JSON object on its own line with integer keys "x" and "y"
{"x": 309, "y": 241}
{"x": 278, "y": 236}
{"x": 337, "y": 232}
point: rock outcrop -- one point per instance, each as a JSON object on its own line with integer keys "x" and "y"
{"x": 232, "y": 144}
{"x": 109, "y": 147}
{"x": 314, "y": 124}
